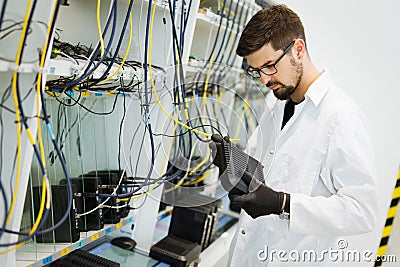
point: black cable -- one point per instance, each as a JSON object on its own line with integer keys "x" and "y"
{"x": 118, "y": 45}
{"x": 187, "y": 17}
{"x": 25, "y": 124}
{"x": 89, "y": 71}
{"x": 226, "y": 28}
{"x": 221, "y": 111}
{"x": 140, "y": 151}
{"x": 10, "y": 31}
{"x": 147, "y": 111}
{"x": 130, "y": 147}
{"x": 188, "y": 131}
{"x": 120, "y": 133}
{"x": 230, "y": 30}
{"x": 5, "y": 96}
{"x": 5, "y": 209}
{"x": 218, "y": 31}
{"x": 148, "y": 181}
{"x": 2, "y": 12}
{"x": 231, "y": 58}
{"x": 63, "y": 164}
{"x": 175, "y": 41}
{"x": 23, "y": 118}
{"x": 182, "y": 37}
{"x": 94, "y": 112}
{"x": 239, "y": 23}
{"x": 198, "y": 74}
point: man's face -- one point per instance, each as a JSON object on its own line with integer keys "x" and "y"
{"x": 289, "y": 72}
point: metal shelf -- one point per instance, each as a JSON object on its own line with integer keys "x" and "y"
{"x": 39, "y": 254}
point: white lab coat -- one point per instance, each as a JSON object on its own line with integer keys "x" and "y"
{"x": 324, "y": 158}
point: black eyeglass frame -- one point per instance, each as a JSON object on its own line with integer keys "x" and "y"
{"x": 255, "y": 73}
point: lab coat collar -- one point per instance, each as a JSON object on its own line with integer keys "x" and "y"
{"x": 319, "y": 87}
{"x": 315, "y": 92}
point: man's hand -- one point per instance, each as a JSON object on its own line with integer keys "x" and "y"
{"x": 262, "y": 201}
{"x": 232, "y": 163}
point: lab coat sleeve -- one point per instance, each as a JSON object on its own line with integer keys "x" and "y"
{"x": 349, "y": 172}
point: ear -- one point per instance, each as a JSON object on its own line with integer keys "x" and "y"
{"x": 300, "y": 48}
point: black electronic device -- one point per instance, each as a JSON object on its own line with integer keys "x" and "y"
{"x": 124, "y": 242}
{"x": 87, "y": 186}
{"x": 82, "y": 258}
{"x": 232, "y": 163}
{"x": 194, "y": 218}
{"x": 175, "y": 251}
{"x": 110, "y": 179}
{"x": 110, "y": 215}
{"x": 104, "y": 248}
{"x": 68, "y": 231}
{"x": 191, "y": 224}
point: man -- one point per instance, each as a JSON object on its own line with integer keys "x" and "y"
{"x": 319, "y": 169}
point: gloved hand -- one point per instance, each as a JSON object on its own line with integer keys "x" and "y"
{"x": 232, "y": 163}
{"x": 262, "y": 201}
{"x": 221, "y": 148}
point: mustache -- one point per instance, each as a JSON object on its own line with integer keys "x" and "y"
{"x": 273, "y": 83}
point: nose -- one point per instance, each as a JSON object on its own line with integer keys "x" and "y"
{"x": 264, "y": 79}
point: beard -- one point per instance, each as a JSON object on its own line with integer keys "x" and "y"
{"x": 286, "y": 90}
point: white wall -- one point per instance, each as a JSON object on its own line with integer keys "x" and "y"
{"x": 358, "y": 41}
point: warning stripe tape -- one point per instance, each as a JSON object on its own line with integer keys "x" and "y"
{"x": 389, "y": 222}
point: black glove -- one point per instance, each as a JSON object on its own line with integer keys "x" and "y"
{"x": 232, "y": 163}
{"x": 262, "y": 201}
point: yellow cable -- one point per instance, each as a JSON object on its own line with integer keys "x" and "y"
{"x": 151, "y": 73}
{"x": 205, "y": 160}
{"x": 17, "y": 112}
{"x": 127, "y": 49}
{"x": 198, "y": 180}
{"x": 175, "y": 125}
{"x": 154, "y": 88}
{"x": 204, "y": 112}
{"x": 156, "y": 183}
{"x": 99, "y": 27}
{"x": 208, "y": 76}
{"x": 45, "y": 200}
{"x": 231, "y": 40}
{"x": 38, "y": 218}
{"x": 18, "y": 170}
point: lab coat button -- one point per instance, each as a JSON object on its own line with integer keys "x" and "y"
{"x": 243, "y": 232}
{"x": 272, "y": 152}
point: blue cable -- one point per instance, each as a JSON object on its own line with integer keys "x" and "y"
{"x": 45, "y": 215}
{"x": 87, "y": 72}
{"x": 118, "y": 45}
{"x": 147, "y": 102}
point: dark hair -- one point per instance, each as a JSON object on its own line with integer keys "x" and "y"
{"x": 277, "y": 25}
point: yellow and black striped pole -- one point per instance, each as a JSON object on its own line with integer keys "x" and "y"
{"x": 389, "y": 223}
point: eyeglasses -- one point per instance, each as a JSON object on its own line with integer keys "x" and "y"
{"x": 268, "y": 69}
